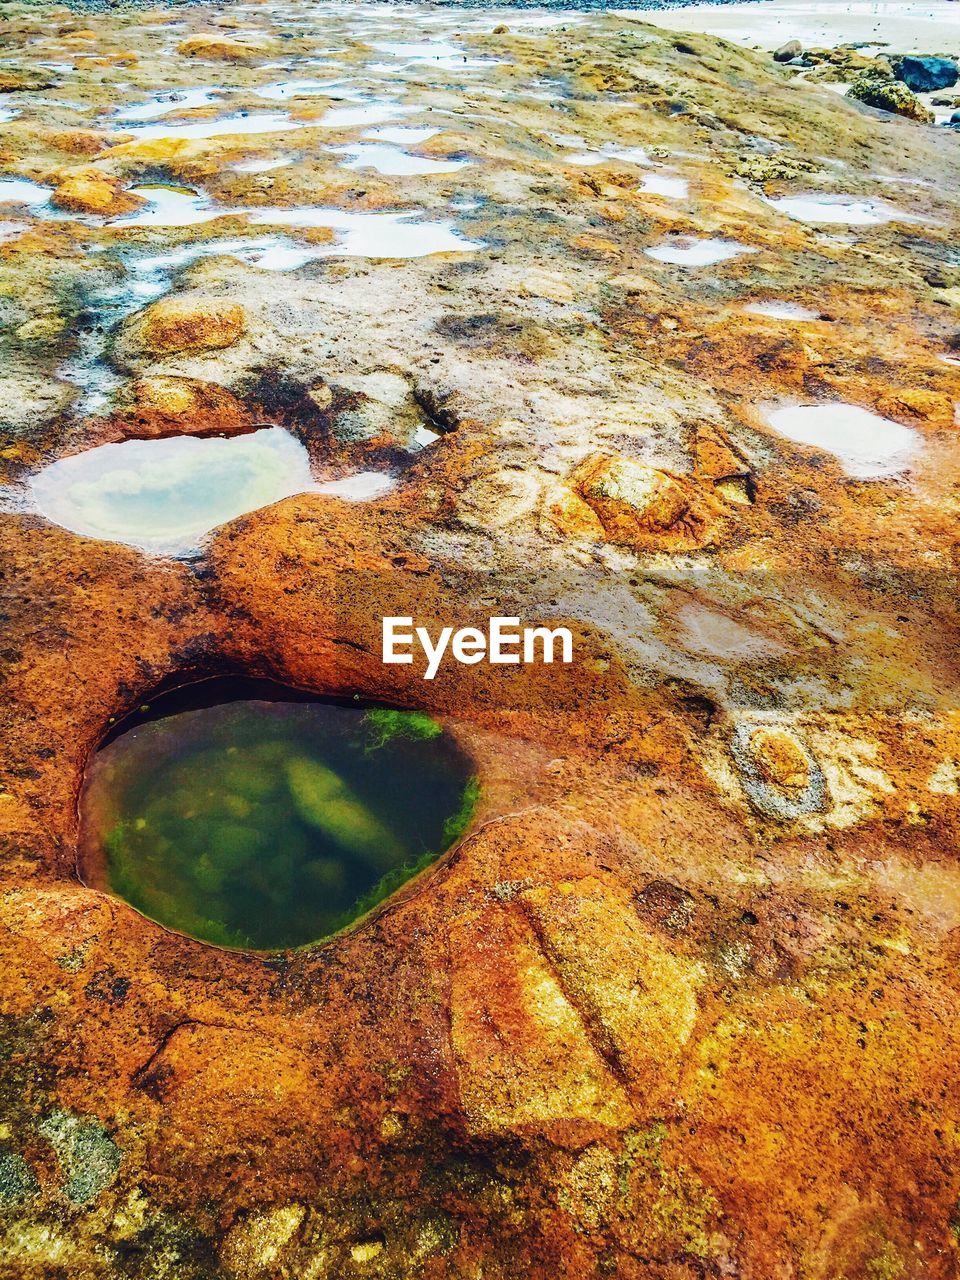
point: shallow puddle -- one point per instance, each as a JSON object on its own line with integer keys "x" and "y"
{"x": 373, "y": 235}
{"x": 663, "y": 184}
{"x": 782, "y": 311}
{"x": 869, "y": 447}
{"x": 166, "y": 103}
{"x": 363, "y": 486}
{"x": 839, "y": 210}
{"x": 251, "y": 817}
{"x": 170, "y": 207}
{"x": 392, "y": 161}
{"x": 163, "y": 496}
{"x": 686, "y": 251}
{"x": 21, "y": 191}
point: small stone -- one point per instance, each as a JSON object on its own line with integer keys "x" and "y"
{"x": 923, "y": 75}
{"x": 780, "y": 760}
{"x": 190, "y": 324}
{"x": 501, "y": 29}
{"x": 789, "y": 51}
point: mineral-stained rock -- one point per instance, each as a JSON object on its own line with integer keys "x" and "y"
{"x": 219, "y": 49}
{"x": 889, "y": 95}
{"x": 161, "y": 404}
{"x": 193, "y": 323}
{"x": 639, "y": 504}
{"x": 90, "y": 190}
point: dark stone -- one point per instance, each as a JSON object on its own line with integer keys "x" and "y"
{"x": 786, "y": 53}
{"x": 924, "y": 75}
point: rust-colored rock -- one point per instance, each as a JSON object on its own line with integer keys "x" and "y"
{"x": 176, "y": 324}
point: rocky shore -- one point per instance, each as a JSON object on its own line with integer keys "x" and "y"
{"x": 562, "y": 316}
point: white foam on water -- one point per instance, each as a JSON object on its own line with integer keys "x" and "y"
{"x": 782, "y": 311}
{"x": 687, "y": 251}
{"x": 163, "y": 496}
{"x": 360, "y": 487}
{"x": 662, "y": 184}
{"x": 393, "y": 161}
{"x": 7, "y": 114}
{"x": 165, "y": 103}
{"x": 839, "y": 210}
{"x": 869, "y": 447}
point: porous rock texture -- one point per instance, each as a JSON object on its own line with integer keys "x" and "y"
{"x": 685, "y": 1001}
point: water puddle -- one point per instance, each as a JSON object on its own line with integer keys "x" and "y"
{"x": 21, "y": 191}
{"x": 404, "y": 135}
{"x": 163, "y": 496}
{"x": 240, "y": 122}
{"x": 166, "y": 103}
{"x": 391, "y": 160}
{"x": 284, "y": 90}
{"x": 687, "y": 251}
{"x": 253, "y": 817}
{"x": 262, "y": 166}
{"x": 782, "y": 311}
{"x": 373, "y": 235}
{"x": 627, "y": 155}
{"x": 869, "y": 447}
{"x": 363, "y": 486}
{"x": 170, "y": 207}
{"x": 663, "y": 184}
{"x": 839, "y": 210}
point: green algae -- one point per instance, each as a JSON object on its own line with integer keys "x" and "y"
{"x": 261, "y": 824}
{"x": 387, "y": 724}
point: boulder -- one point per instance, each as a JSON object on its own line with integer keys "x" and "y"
{"x": 889, "y": 95}
{"x": 787, "y": 52}
{"x": 188, "y": 324}
{"x": 219, "y": 49}
{"x": 90, "y": 190}
{"x": 925, "y": 75}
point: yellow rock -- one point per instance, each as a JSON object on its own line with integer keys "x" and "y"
{"x": 219, "y": 49}
{"x": 190, "y": 324}
{"x": 780, "y": 759}
{"x": 90, "y": 190}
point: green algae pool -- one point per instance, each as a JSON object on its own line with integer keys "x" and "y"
{"x": 269, "y": 821}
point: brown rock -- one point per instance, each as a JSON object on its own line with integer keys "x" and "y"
{"x": 628, "y": 496}
{"x": 189, "y": 324}
{"x": 188, "y": 406}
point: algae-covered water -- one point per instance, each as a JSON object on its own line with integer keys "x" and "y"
{"x": 269, "y": 822}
